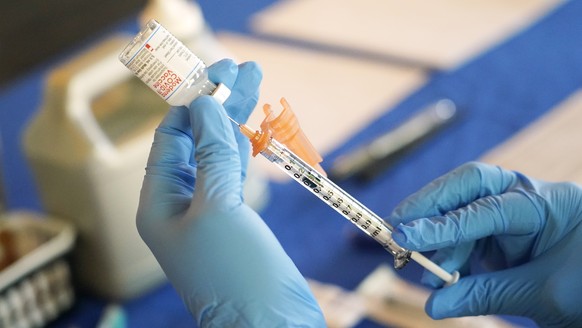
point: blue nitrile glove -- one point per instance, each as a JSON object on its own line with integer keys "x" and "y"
{"x": 228, "y": 267}
{"x": 526, "y": 233}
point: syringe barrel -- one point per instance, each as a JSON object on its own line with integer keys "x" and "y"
{"x": 336, "y": 198}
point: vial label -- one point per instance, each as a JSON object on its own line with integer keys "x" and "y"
{"x": 164, "y": 63}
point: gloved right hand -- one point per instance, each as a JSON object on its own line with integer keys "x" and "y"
{"x": 526, "y": 232}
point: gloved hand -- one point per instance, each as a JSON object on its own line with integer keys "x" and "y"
{"x": 228, "y": 267}
{"x": 526, "y": 233}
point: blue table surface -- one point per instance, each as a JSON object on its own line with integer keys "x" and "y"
{"x": 499, "y": 92}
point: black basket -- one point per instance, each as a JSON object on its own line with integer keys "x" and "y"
{"x": 35, "y": 282}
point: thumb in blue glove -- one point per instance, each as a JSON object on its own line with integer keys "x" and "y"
{"x": 526, "y": 233}
{"x": 228, "y": 267}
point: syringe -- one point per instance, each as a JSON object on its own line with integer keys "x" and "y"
{"x": 177, "y": 75}
{"x": 338, "y": 199}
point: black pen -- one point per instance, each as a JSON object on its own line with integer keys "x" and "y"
{"x": 375, "y": 157}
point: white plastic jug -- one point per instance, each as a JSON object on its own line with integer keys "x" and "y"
{"x": 88, "y": 146}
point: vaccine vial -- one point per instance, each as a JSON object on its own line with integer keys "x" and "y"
{"x": 168, "y": 67}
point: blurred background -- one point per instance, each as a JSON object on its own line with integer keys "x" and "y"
{"x": 36, "y": 32}
{"x": 76, "y": 127}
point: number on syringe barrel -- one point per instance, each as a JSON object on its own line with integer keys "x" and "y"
{"x": 300, "y": 172}
{"x": 337, "y": 202}
{"x": 312, "y": 185}
{"x": 295, "y": 172}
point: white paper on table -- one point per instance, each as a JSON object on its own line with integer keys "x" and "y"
{"x": 441, "y": 33}
{"x": 550, "y": 148}
{"x": 333, "y": 96}
{"x": 390, "y": 301}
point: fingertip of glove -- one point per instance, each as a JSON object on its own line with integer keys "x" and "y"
{"x": 402, "y": 236}
{"x": 225, "y": 64}
{"x": 205, "y": 109}
{"x": 224, "y": 71}
{"x": 430, "y": 280}
{"x": 203, "y": 101}
{"x": 252, "y": 67}
{"x": 432, "y": 310}
{"x": 437, "y": 307}
{"x": 399, "y": 236}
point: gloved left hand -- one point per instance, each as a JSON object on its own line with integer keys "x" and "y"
{"x": 526, "y": 233}
{"x": 228, "y": 267}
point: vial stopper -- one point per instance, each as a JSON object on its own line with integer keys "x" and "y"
{"x": 221, "y": 93}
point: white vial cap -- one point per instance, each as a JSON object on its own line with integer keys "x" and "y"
{"x": 221, "y": 93}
